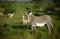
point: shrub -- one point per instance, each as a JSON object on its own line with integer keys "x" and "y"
{"x": 9, "y": 8}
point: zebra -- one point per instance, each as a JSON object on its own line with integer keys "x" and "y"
{"x": 38, "y": 21}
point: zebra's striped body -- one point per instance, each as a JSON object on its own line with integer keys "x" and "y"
{"x": 39, "y": 21}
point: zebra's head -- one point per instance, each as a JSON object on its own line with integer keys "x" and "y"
{"x": 27, "y": 16}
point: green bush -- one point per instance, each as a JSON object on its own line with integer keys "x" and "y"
{"x": 9, "y": 8}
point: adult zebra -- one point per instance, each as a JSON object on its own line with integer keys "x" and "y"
{"x": 38, "y": 20}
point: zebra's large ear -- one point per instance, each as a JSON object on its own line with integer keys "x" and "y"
{"x": 30, "y": 13}
{"x": 26, "y": 13}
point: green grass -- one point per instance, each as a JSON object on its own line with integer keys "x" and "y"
{"x": 20, "y": 10}
{"x": 25, "y": 33}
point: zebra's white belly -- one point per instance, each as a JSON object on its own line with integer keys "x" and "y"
{"x": 40, "y": 24}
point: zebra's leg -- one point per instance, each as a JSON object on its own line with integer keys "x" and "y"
{"x": 32, "y": 28}
{"x": 49, "y": 28}
{"x": 51, "y": 25}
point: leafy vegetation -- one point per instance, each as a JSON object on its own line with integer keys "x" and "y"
{"x": 13, "y": 28}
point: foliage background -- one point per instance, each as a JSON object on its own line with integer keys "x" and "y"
{"x": 13, "y": 28}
